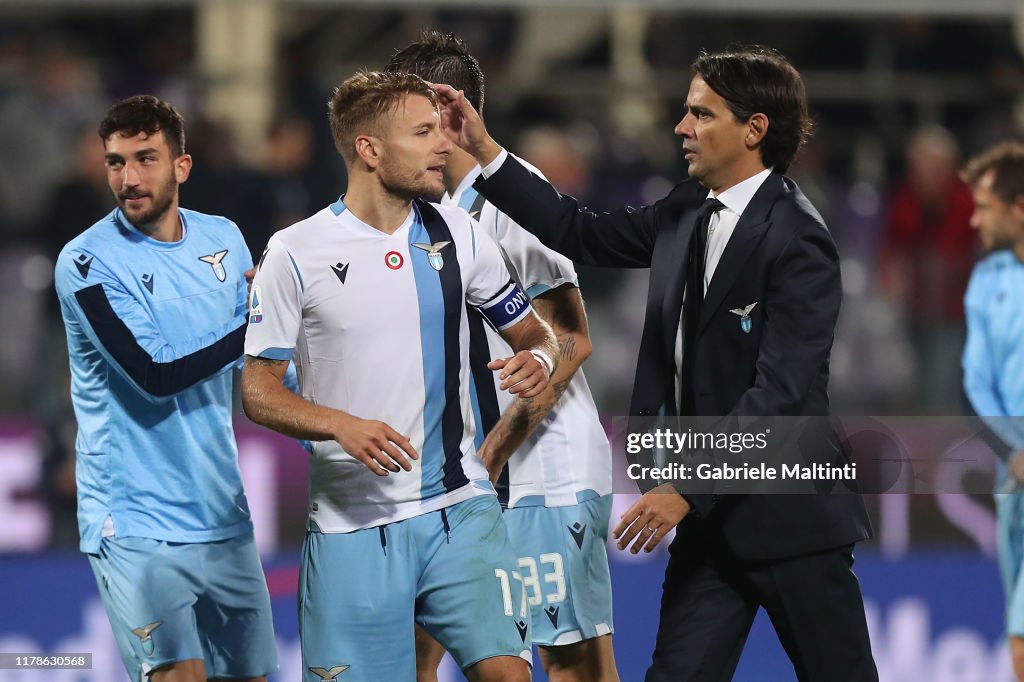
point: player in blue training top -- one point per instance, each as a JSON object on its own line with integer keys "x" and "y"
{"x": 549, "y": 454}
{"x": 154, "y": 304}
{"x": 369, "y": 296}
{"x": 993, "y": 359}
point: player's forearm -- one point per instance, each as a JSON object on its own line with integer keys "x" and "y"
{"x": 268, "y": 402}
{"x": 534, "y": 335}
{"x": 524, "y": 415}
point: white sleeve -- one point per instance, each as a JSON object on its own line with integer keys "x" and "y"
{"x": 275, "y": 305}
{"x": 492, "y": 289}
{"x": 537, "y": 268}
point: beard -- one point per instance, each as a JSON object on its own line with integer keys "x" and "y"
{"x": 406, "y": 185}
{"x": 160, "y": 204}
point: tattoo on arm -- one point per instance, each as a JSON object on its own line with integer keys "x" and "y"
{"x": 567, "y": 347}
{"x": 560, "y": 387}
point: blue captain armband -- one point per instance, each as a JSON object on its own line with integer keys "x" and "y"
{"x": 509, "y": 306}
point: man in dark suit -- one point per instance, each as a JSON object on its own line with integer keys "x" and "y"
{"x": 756, "y": 344}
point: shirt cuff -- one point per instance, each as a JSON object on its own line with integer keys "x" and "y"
{"x": 492, "y": 168}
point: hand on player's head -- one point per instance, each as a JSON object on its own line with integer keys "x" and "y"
{"x": 459, "y": 120}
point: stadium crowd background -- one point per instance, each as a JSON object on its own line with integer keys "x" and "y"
{"x": 587, "y": 94}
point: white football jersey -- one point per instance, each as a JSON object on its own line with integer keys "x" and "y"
{"x": 377, "y": 326}
{"x": 567, "y": 459}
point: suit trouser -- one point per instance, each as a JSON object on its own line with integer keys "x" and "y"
{"x": 710, "y": 599}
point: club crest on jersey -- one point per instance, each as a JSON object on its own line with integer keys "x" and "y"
{"x": 394, "y": 260}
{"x": 434, "y": 256}
{"x": 331, "y": 674}
{"x": 744, "y": 313}
{"x": 255, "y": 306}
{"x": 145, "y": 635}
{"x": 215, "y": 262}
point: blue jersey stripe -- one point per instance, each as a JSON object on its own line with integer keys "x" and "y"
{"x": 156, "y": 378}
{"x": 431, "y": 309}
{"x": 445, "y": 284}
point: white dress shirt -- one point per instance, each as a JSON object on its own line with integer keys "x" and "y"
{"x": 720, "y": 229}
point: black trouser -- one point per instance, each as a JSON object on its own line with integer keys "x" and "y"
{"x": 711, "y": 597}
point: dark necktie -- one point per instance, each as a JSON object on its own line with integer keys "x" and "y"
{"x": 693, "y": 301}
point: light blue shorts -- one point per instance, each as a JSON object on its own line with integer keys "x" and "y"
{"x": 564, "y": 564}
{"x": 453, "y": 571}
{"x": 171, "y": 601}
{"x": 1010, "y": 529}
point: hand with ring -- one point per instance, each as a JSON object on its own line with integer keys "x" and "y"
{"x": 657, "y": 512}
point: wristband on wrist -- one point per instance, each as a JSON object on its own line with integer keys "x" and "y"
{"x": 544, "y": 359}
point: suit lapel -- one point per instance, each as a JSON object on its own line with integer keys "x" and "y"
{"x": 749, "y": 230}
{"x": 678, "y": 250}
{"x": 668, "y": 265}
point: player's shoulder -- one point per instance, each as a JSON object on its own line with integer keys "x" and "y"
{"x": 305, "y": 231}
{"x": 989, "y": 274}
{"x": 94, "y": 238}
{"x": 207, "y": 221}
{"x": 995, "y": 262}
{"x": 215, "y": 228}
{"x": 102, "y": 237}
{"x": 102, "y": 242}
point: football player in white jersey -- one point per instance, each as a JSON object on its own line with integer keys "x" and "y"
{"x": 548, "y": 455}
{"x": 370, "y": 297}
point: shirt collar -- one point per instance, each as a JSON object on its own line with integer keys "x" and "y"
{"x": 739, "y": 195}
{"x": 466, "y": 183}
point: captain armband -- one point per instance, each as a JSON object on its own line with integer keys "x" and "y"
{"x": 508, "y": 307}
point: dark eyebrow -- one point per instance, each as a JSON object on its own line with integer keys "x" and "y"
{"x": 138, "y": 154}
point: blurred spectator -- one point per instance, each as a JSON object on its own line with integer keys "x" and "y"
{"x": 289, "y": 161}
{"x": 79, "y": 200}
{"x": 925, "y": 264}
{"x": 38, "y": 126}
{"x": 220, "y": 185}
{"x": 552, "y": 151}
{"x": 57, "y": 485}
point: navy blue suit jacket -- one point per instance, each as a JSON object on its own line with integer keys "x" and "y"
{"x": 781, "y": 256}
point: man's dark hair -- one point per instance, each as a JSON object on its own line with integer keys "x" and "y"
{"x": 754, "y": 79}
{"x": 442, "y": 58}
{"x": 145, "y": 114}
{"x": 1007, "y": 161}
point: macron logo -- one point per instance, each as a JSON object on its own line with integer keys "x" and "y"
{"x": 341, "y": 270}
